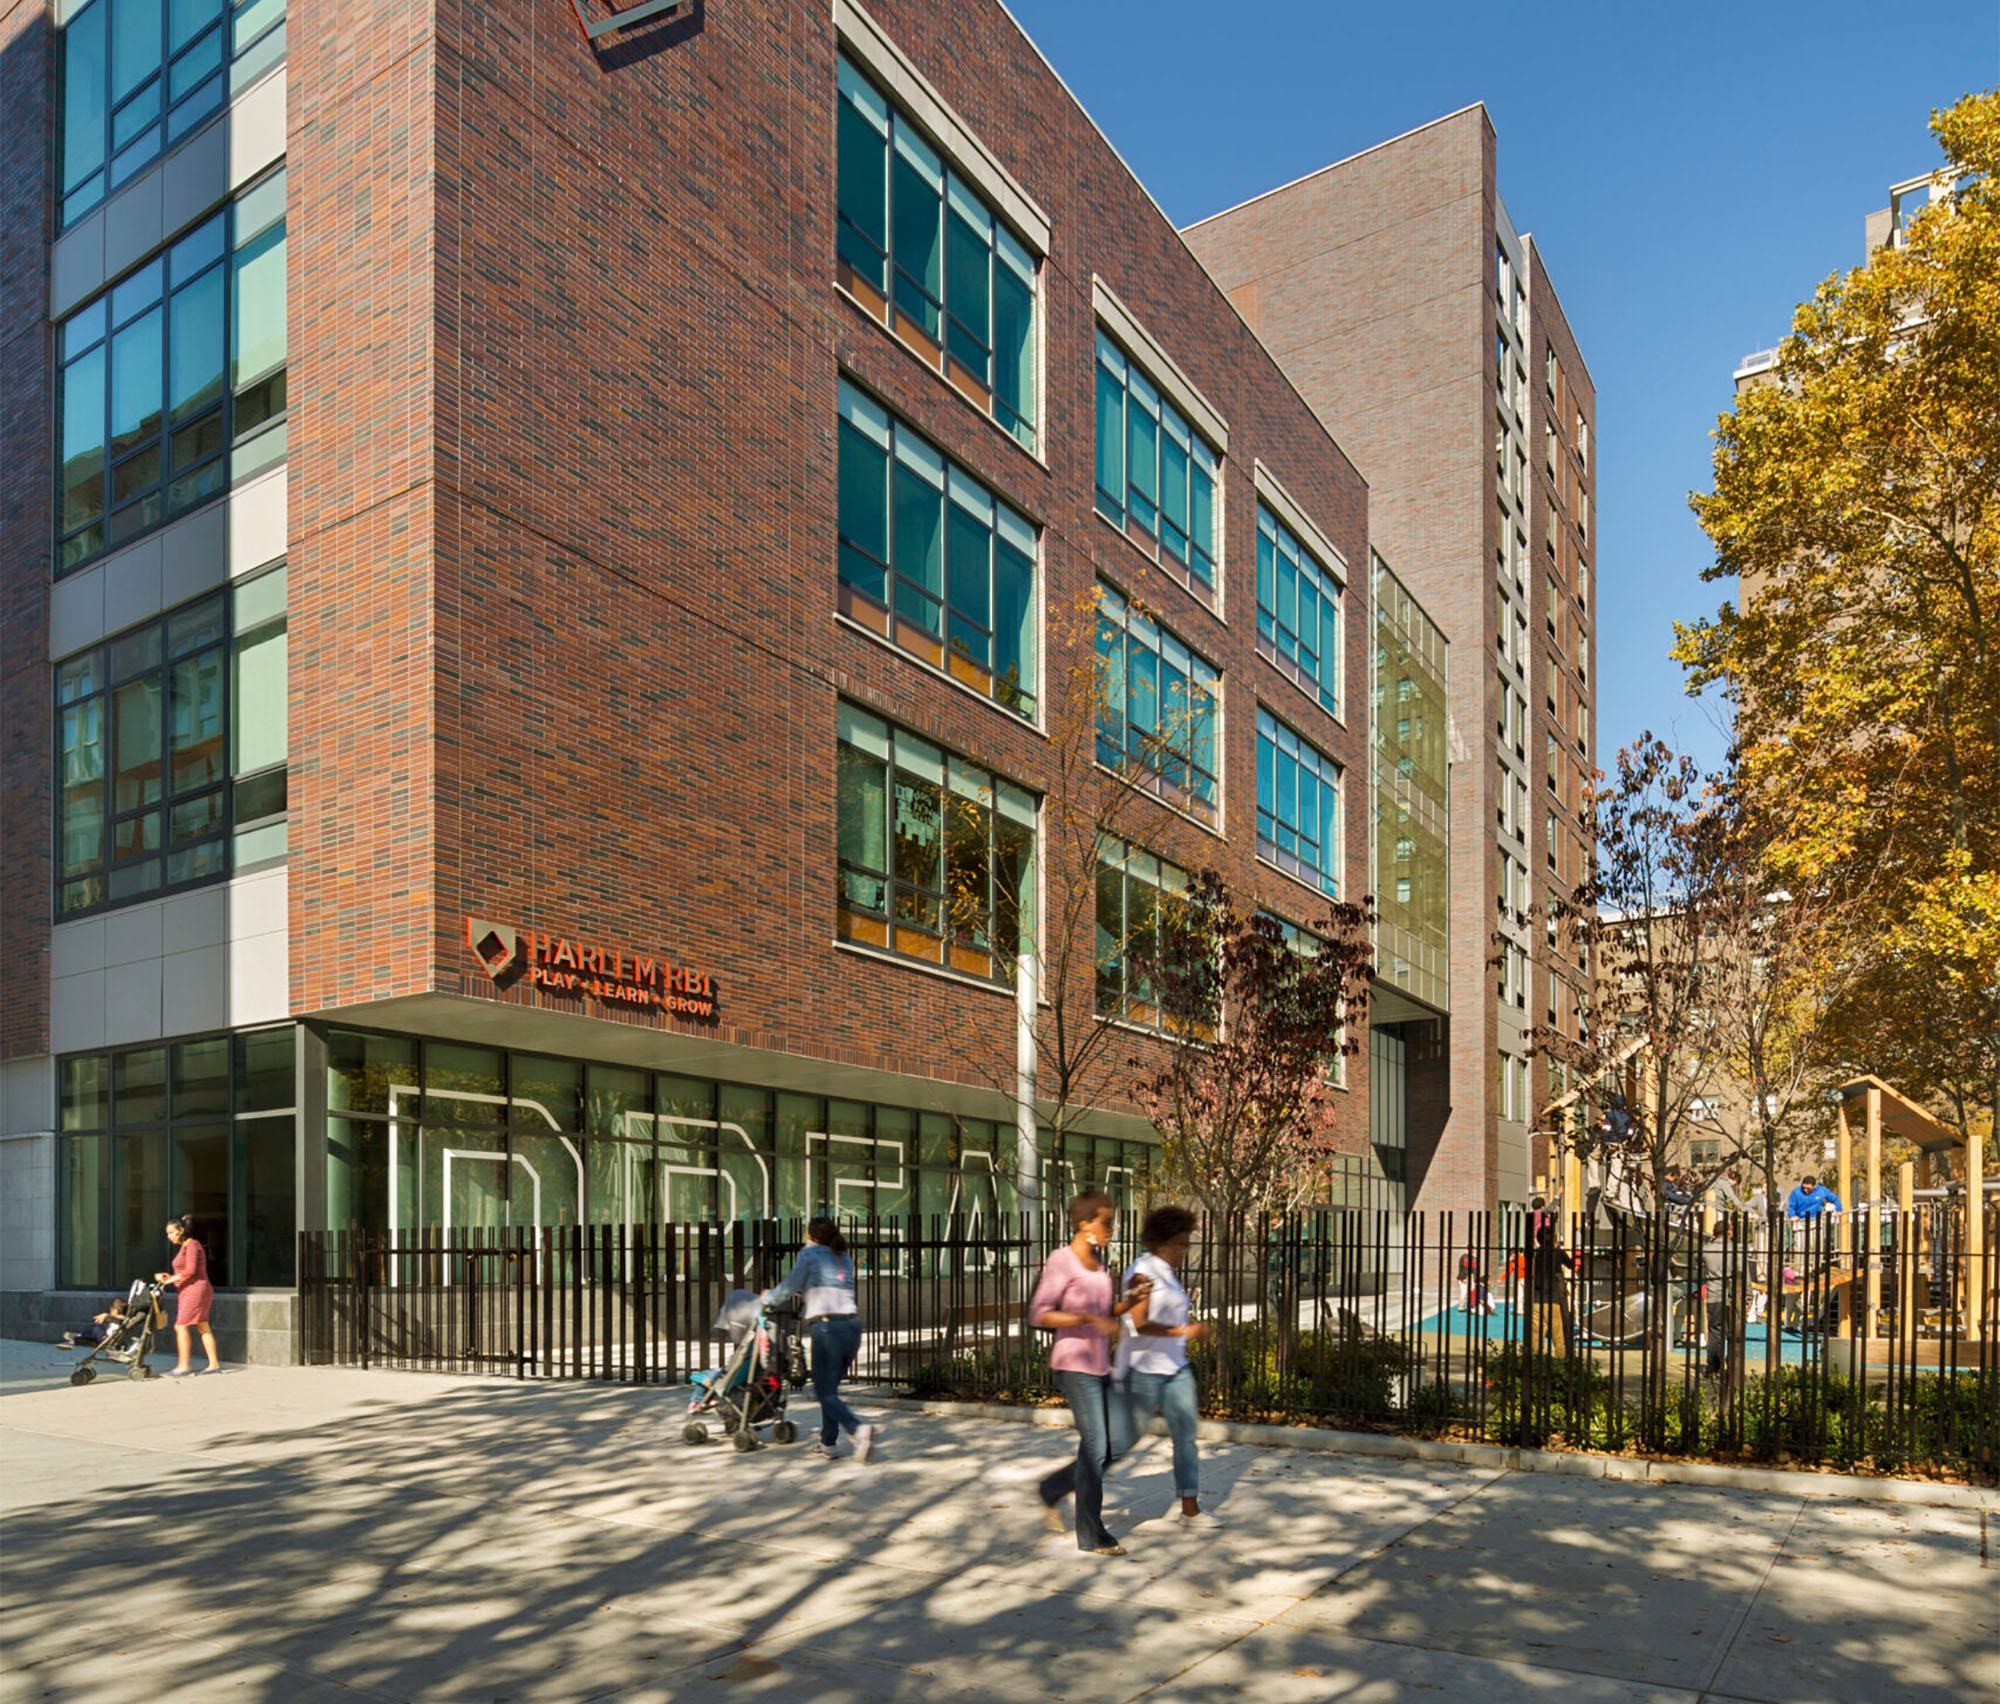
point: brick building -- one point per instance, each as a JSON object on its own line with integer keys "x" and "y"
{"x": 533, "y": 568}
{"x": 1423, "y": 327}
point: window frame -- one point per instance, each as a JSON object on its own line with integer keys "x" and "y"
{"x": 237, "y": 1122}
{"x": 226, "y": 831}
{"x": 215, "y": 247}
{"x": 1272, "y": 733}
{"x": 1122, "y": 625}
{"x": 217, "y": 70}
{"x": 1329, "y": 590}
{"x": 909, "y": 461}
{"x": 896, "y": 298}
{"x": 1115, "y": 368}
{"x": 966, "y": 791}
{"x": 1129, "y": 862}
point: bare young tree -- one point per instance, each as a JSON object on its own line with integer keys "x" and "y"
{"x": 1648, "y": 917}
{"x": 1782, "y": 969}
{"x": 1112, "y": 764}
{"x": 1256, "y": 1020}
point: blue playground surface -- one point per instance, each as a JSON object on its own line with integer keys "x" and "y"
{"x": 1504, "y": 1323}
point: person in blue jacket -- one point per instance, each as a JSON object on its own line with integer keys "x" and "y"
{"x": 1810, "y": 1199}
{"x": 824, "y": 1275}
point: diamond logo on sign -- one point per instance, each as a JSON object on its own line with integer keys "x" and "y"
{"x": 597, "y": 19}
{"x": 495, "y": 945}
{"x": 577, "y": 968}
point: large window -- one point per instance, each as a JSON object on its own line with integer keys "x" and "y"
{"x": 932, "y": 560}
{"x": 1157, "y": 708}
{"x": 1298, "y": 611}
{"x": 1307, "y": 944}
{"x": 937, "y": 855}
{"x": 173, "y": 380}
{"x": 1298, "y": 805}
{"x": 920, "y": 249}
{"x": 170, "y": 750}
{"x": 204, "y": 1127}
{"x": 429, "y": 1134}
{"x": 138, "y": 75}
{"x": 1134, "y": 890}
{"x": 1156, "y": 476}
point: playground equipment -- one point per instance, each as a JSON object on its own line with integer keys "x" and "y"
{"x": 1883, "y": 1109}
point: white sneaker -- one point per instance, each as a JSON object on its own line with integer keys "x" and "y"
{"x": 864, "y": 1441}
{"x": 1201, "y": 1519}
{"x": 824, "y": 1452}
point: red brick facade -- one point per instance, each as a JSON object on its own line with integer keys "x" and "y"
{"x": 565, "y": 355}
{"x": 27, "y": 479}
{"x": 360, "y": 225}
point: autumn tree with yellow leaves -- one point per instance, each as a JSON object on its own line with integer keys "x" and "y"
{"x": 1857, "y": 501}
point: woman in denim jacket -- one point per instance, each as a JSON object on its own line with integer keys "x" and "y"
{"x": 824, "y": 1275}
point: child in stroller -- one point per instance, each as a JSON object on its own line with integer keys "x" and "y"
{"x": 767, "y": 1360}
{"x": 100, "y": 1327}
{"x": 122, "y": 1333}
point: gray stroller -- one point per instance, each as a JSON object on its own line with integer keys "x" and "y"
{"x": 766, "y": 1360}
{"x": 127, "y": 1338}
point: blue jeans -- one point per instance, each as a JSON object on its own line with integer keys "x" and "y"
{"x": 835, "y": 1342}
{"x": 1103, "y": 1434}
{"x": 1173, "y": 1396}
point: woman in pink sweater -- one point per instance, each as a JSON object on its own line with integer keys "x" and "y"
{"x": 1074, "y": 1299}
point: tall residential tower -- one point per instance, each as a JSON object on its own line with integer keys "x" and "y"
{"x": 1421, "y": 324}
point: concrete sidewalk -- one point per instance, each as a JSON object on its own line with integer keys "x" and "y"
{"x": 303, "y": 1536}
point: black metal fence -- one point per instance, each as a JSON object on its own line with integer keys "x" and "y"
{"x": 1869, "y": 1341}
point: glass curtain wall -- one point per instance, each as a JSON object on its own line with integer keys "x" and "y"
{"x": 173, "y": 380}
{"x": 139, "y": 75}
{"x": 205, "y": 1127}
{"x": 440, "y": 1136}
{"x": 171, "y": 750}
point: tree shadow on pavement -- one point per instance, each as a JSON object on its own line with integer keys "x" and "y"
{"x": 501, "y": 1543}
{"x": 510, "y": 1544}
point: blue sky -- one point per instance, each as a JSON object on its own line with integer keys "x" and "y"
{"x": 1690, "y": 172}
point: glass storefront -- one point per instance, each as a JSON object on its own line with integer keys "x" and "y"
{"x": 438, "y": 1135}
{"x": 205, "y": 1127}
{"x": 446, "y": 1136}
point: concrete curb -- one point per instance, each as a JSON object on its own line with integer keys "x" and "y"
{"x": 1779, "y": 1481}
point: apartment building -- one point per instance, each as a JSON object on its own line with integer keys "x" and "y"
{"x": 1401, "y": 298}
{"x": 533, "y": 544}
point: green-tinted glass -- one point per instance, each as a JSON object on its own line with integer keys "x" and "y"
{"x": 265, "y": 1070}
{"x": 84, "y": 78}
{"x": 201, "y": 1078}
{"x": 270, "y": 1199}
{"x": 366, "y": 1073}
{"x": 139, "y": 1086}
{"x": 86, "y": 1092}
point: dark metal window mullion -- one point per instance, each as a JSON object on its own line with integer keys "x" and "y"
{"x": 225, "y": 405}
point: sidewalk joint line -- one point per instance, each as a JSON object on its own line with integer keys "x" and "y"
{"x": 1749, "y": 1603}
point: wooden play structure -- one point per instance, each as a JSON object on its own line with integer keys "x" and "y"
{"x": 1926, "y": 1241}
{"x": 1885, "y": 1111}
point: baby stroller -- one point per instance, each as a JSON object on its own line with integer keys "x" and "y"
{"x": 128, "y": 1337}
{"x": 766, "y": 1360}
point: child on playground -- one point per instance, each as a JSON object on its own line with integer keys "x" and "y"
{"x": 1472, "y": 1284}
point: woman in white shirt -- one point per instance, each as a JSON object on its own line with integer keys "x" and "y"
{"x": 1155, "y": 1355}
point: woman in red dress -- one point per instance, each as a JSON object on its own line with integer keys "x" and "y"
{"x": 193, "y": 1296}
